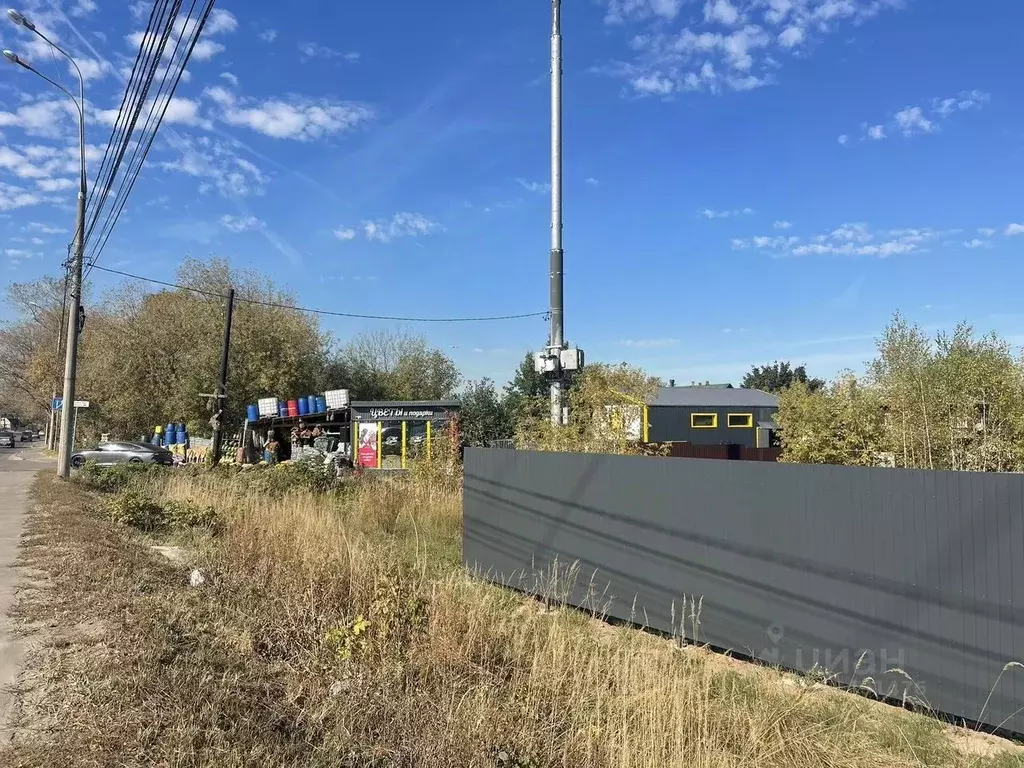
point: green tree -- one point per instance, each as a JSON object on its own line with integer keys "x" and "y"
{"x": 777, "y": 376}
{"x": 484, "y": 415}
{"x": 147, "y": 357}
{"x": 605, "y": 411}
{"x": 394, "y": 365}
{"x": 528, "y": 394}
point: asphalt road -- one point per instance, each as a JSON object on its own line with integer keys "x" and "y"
{"x": 18, "y": 467}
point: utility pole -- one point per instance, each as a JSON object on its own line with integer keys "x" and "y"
{"x": 222, "y": 391}
{"x": 557, "y": 358}
{"x": 51, "y": 432}
{"x": 75, "y": 317}
{"x": 557, "y": 338}
{"x": 75, "y": 324}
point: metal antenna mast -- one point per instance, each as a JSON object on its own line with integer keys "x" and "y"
{"x": 557, "y": 358}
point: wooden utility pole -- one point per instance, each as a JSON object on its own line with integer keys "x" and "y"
{"x": 220, "y": 404}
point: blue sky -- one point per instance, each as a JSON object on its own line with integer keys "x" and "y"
{"x": 745, "y": 180}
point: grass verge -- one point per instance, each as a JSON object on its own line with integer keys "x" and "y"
{"x": 337, "y": 629}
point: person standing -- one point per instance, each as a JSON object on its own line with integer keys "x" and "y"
{"x": 272, "y": 449}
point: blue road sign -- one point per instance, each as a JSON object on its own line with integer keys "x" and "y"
{"x": 57, "y": 403}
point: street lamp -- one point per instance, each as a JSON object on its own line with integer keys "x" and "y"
{"x": 71, "y": 356}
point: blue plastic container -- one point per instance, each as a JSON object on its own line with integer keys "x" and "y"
{"x": 311, "y": 404}
{"x": 252, "y": 412}
{"x": 282, "y": 408}
{"x": 169, "y": 433}
{"x": 321, "y": 404}
{"x": 182, "y": 436}
{"x": 303, "y": 406}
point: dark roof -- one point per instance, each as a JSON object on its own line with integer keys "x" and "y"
{"x": 715, "y": 397}
{"x": 405, "y": 403}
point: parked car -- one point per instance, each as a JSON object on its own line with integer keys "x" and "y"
{"x": 108, "y": 454}
{"x": 6, "y": 439}
{"x": 27, "y": 436}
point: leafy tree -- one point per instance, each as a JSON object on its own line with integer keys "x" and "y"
{"x": 777, "y": 376}
{"x": 527, "y": 396}
{"x": 841, "y": 424}
{"x": 394, "y": 365}
{"x": 604, "y": 406}
{"x": 485, "y": 414}
{"x": 147, "y": 357}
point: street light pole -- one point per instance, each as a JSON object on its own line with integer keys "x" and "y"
{"x": 557, "y": 336}
{"x": 71, "y": 355}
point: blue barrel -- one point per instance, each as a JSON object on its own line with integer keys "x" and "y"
{"x": 253, "y": 412}
{"x": 282, "y": 408}
{"x": 303, "y": 406}
{"x": 321, "y": 404}
{"x": 169, "y": 433}
{"x": 311, "y": 403}
{"x": 182, "y": 436}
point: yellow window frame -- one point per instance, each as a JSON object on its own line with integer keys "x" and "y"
{"x": 695, "y": 425}
{"x": 748, "y": 422}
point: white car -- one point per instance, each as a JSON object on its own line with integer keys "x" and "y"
{"x": 6, "y": 440}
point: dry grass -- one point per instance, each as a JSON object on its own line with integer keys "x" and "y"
{"x": 339, "y": 630}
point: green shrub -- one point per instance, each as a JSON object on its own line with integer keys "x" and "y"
{"x": 117, "y": 477}
{"x": 135, "y": 509}
{"x": 188, "y": 514}
{"x": 132, "y": 508}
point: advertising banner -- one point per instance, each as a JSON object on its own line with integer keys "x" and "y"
{"x": 368, "y": 444}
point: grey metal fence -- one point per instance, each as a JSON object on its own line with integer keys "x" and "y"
{"x": 902, "y": 581}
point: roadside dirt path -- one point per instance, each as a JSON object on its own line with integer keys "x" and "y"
{"x": 17, "y": 471}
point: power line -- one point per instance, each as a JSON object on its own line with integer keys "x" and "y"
{"x": 170, "y": 77}
{"x": 330, "y": 313}
{"x": 151, "y": 65}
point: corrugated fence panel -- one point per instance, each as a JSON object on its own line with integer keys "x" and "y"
{"x": 869, "y": 575}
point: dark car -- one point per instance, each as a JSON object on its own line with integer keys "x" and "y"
{"x": 27, "y": 436}
{"x": 108, "y": 454}
{"x": 6, "y": 439}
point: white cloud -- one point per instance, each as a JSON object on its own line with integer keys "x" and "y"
{"x": 83, "y": 8}
{"x": 230, "y": 77}
{"x": 775, "y": 243}
{"x": 914, "y": 121}
{"x": 92, "y": 69}
{"x": 843, "y": 139}
{"x": 976, "y": 243}
{"x": 345, "y": 233}
{"x": 218, "y": 164}
{"x": 649, "y": 343}
{"x": 721, "y": 11}
{"x": 653, "y": 83}
{"x": 12, "y": 197}
{"x": 851, "y": 239}
{"x": 732, "y": 45}
{"x": 708, "y": 213}
{"x": 536, "y": 187}
{"x": 1014, "y": 229}
{"x": 591, "y": 181}
{"x": 962, "y": 102}
{"x": 986, "y": 231}
{"x": 46, "y": 229}
{"x": 220, "y": 21}
{"x": 56, "y": 185}
{"x": 791, "y": 37}
{"x": 782, "y": 225}
{"x": 911, "y": 121}
{"x": 310, "y": 50}
{"x": 620, "y": 11}
{"x": 40, "y": 118}
{"x": 268, "y": 35}
{"x": 240, "y": 223}
{"x": 399, "y": 225}
{"x": 300, "y": 118}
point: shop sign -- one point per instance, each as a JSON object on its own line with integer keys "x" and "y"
{"x": 403, "y": 414}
